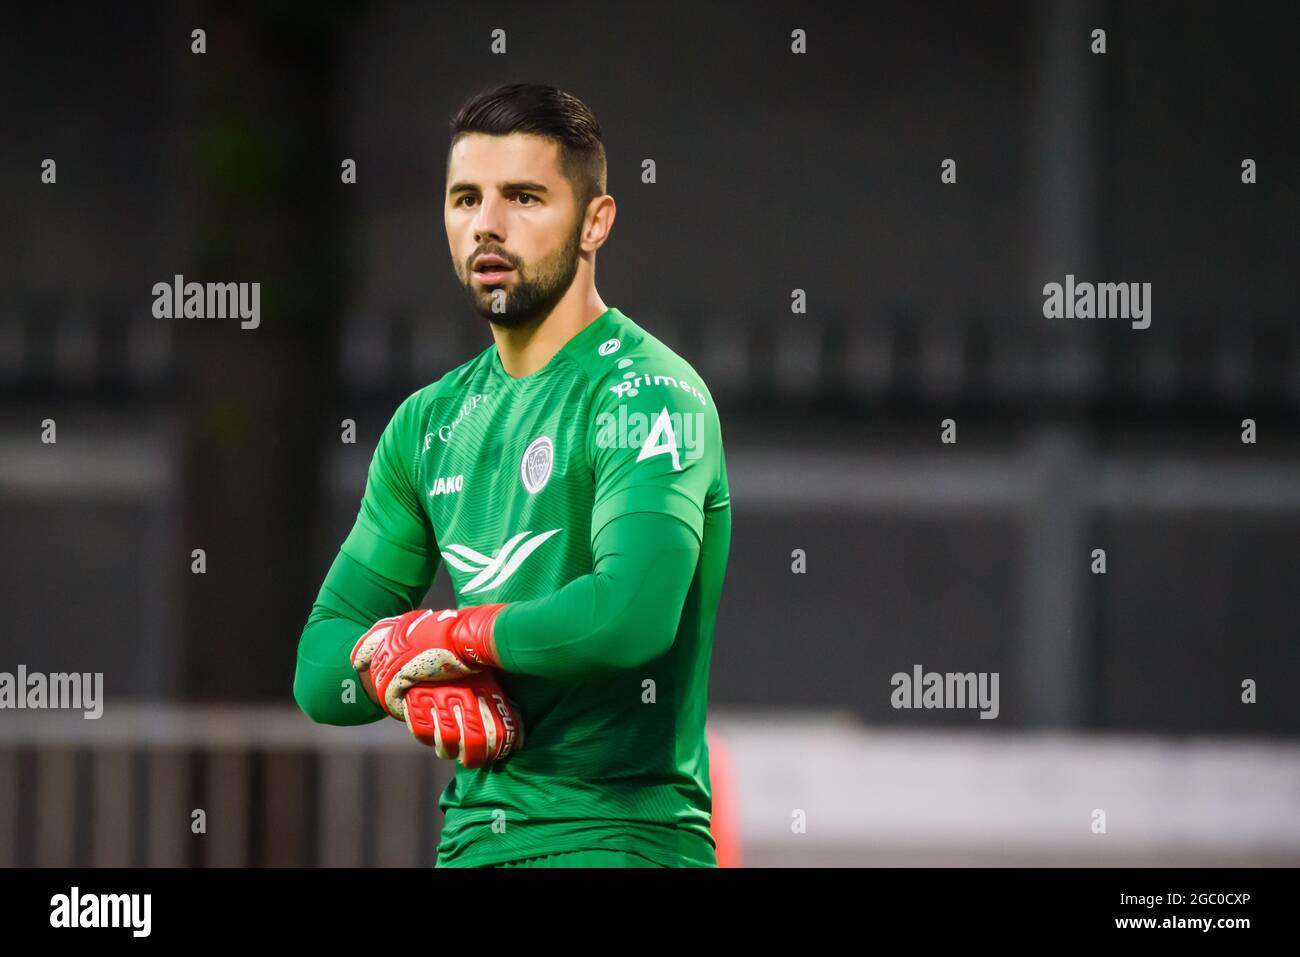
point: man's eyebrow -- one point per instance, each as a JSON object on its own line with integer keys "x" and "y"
{"x": 464, "y": 187}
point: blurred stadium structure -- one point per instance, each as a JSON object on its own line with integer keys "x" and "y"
{"x": 1119, "y": 691}
{"x": 276, "y": 791}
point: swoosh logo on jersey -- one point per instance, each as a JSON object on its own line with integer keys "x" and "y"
{"x": 493, "y": 572}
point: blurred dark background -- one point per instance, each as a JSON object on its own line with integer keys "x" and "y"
{"x": 776, "y": 172}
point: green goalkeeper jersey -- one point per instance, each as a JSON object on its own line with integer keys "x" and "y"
{"x": 507, "y": 483}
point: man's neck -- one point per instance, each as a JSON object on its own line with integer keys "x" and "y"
{"x": 525, "y": 349}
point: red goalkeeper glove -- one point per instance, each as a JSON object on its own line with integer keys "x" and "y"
{"x": 424, "y": 645}
{"x": 469, "y": 721}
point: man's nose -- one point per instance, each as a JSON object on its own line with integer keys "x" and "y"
{"x": 488, "y": 222}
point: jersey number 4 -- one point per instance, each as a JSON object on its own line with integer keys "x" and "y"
{"x": 662, "y": 439}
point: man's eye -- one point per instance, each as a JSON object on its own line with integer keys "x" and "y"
{"x": 462, "y": 199}
{"x": 527, "y": 196}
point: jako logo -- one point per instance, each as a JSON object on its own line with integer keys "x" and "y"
{"x": 448, "y": 485}
{"x": 494, "y": 572}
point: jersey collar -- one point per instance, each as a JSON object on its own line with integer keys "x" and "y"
{"x": 596, "y": 332}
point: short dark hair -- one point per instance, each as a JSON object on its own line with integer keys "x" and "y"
{"x": 543, "y": 111}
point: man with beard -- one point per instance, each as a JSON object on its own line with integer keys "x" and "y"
{"x": 572, "y": 480}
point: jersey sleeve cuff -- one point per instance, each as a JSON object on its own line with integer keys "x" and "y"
{"x": 501, "y": 647}
{"x": 390, "y": 559}
{"x": 666, "y": 499}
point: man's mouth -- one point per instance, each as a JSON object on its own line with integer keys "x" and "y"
{"x": 491, "y": 269}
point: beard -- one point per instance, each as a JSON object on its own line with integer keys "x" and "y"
{"x": 535, "y": 289}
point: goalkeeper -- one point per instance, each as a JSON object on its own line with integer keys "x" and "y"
{"x": 571, "y": 479}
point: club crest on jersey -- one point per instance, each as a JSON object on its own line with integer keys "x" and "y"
{"x": 535, "y": 467}
{"x": 446, "y": 485}
{"x": 492, "y": 572}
